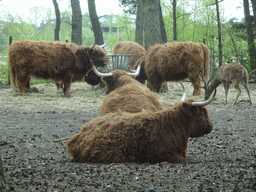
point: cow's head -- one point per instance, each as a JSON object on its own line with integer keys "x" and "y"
{"x": 197, "y": 116}
{"x": 91, "y": 78}
{"x": 94, "y": 54}
{"x": 116, "y": 78}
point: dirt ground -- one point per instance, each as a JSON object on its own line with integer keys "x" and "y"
{"x": 34, "y": 130}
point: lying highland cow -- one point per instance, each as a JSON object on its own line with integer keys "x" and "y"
{"x": 127, "y": 94}
{"x": 61, "y": 62}
{"x": 141, "y": 137}
{"x": 130, "y": 47}
{"x": 174, "y": 61}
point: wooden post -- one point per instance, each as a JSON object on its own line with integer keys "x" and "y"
{"x": 9, "y": 80}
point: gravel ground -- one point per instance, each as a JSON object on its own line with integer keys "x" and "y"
{"x": 33, "y": 146}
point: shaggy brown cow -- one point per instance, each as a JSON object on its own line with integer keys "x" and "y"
{"x": 130, "y": 47}
{"x": 61, "y": 62}
{"x": 91, "y": 78}
{"x": 127, "y": 94}
{"x": 174, "y": 61}
{"x": 141, "y": 137}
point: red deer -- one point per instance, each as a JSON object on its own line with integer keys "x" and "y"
{"x": 61, "y": 62}
{"x": 145, "y": 136}
{"x": 174, "y": 61}
{"x": 130, "y": 47}
{"x": 127, "y": 94}
{"x": 232, "y": 73}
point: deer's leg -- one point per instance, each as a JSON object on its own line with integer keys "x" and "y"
{"x": 226, "y": 87}
{"x": 248, "y": 92}
{"x": 238, "y": 93}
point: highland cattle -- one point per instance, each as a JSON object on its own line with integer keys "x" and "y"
{"x": 125, "y": 93}
{"x": 61, "y": 62}
{"x": 174, "y": 61}
{"x": 141, "y": 137}
{"x": 130, "y": 47}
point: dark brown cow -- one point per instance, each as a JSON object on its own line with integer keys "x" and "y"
{"x": 61, "y": 62}
{"x": 141, "y": 137}
{"x": 127, "y": 94}
{"x": 174, "y": 61}
{"x": 91, "y": 78}
{"x": 130, "y": 47}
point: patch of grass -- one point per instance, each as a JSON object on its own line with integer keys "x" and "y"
{"x": 4, "y": 74}
{"x": 2, "y": 176}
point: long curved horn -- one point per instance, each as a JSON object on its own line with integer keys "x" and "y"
{"x": 184, "y": 93}
{"x": 103, "y": 44}
{"x": 92, "y": 46}
{"x": 137, "y": 71}
{"x": 204, "y": 103}
{"x": 101, "y": 74}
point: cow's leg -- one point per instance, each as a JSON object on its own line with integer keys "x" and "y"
{"x": 22, "y": 79}
{"x": 156, "y": 82}
{"x": 59, "y": 85}
{"x": 67, "y": 84}
{"x": 194, "y": 80}
{"x": 28, "y": 83}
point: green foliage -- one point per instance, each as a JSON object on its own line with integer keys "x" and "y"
{"x": 4, "y": 70}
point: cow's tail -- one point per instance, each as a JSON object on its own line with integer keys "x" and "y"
{"x": 12, "y": 72}
{"x": 206, "y": 64}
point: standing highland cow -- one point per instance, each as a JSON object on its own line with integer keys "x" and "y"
{"x": 174, "y": 61}
{"x": 130, "y": 47}
{"x": 141, "y": 137}
{"x": 61, "y": 62}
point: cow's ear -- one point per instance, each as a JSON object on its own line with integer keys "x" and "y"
{"x": 91, "y": 51}
{"x": 82, "y": 56}
{"x": 186, "y": 105}
{"x": 107, "y": 79}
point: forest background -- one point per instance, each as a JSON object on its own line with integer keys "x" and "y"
{"x": 144, "y": 21}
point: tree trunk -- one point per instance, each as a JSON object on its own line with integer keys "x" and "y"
{"x": 95, "y": 23}
{"x": 139, "y": 23}
{"x": 251, "y": 46}
{"x": 76, "y": 36}
{"x": 219, "y": 33}
{"x": 174, "y": 3}
{"x": 162, "y": 28}
{"x": 152, "y": 27}
{"x": 57, "y": 27}
{"x": 152, "y": 32}
{"x": 254, "y": 11}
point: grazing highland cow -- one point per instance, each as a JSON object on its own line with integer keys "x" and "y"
{"x": 141, "y": 137}
{"x": 232, "y": 73}
{"x": 127, "y": 94}
{"x": 174, "y": 61}
{"x": 130, "y": 47}
{"x": 61, "y": 62}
